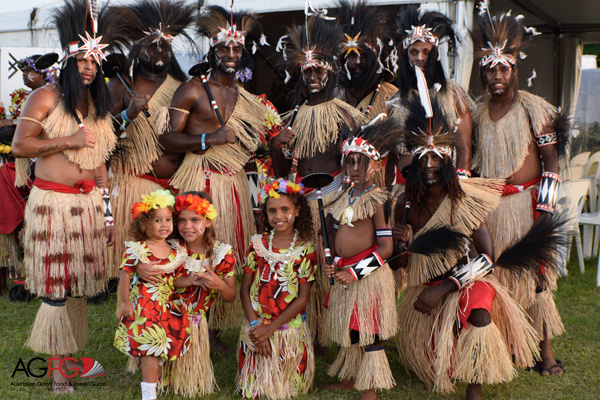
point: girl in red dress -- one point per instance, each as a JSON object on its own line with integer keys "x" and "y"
{"x": 275, "y": 354}
{"x": 213, "y": 261}
{"x": 153, "y": 327}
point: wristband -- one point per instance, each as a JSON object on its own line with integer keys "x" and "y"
{"x": 474, "y": 270}
{"x": 548, "y": 192}
{"x": 383, "y": 232}
{"x": 108, "y": 218}
{"x": 125, "y": 119}
{"x": 367, "y": 266}
{"x": 254, "y": 323}
{"x": 203, "y": 141}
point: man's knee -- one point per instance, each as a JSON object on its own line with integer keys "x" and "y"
{"x": 480, "y": 317}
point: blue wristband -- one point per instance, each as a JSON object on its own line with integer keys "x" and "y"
{"x": 254, "y": 323}
{"x": 124, "y": 116}
{"x": 203, "y": 141}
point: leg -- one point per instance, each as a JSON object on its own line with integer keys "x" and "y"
{"x": 550, "y": 367}
{"x": 474, "y": 391}
{"x": 60, "y": 374}
{"x": 150, "y": 373}
{"x": 479, "y": 318}
{"x": 216, "y": 342}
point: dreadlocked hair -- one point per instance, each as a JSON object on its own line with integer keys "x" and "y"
{"x": 71, "y": 20}
{"x": 303, "y": 222}
{"x": 503, "y": 29}
{"x": 324, "y": 38}
{"x": 370, "y": 23}
{"x": 417, "y": 129}
{"x": 442, "y": 28}
{"x": 211, "y": 19}
{"x": 209, "y": 237}
{"x": 140, "y": 20}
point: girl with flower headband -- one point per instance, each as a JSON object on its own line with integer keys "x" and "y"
{"x": 153, "y": 326}
{"x": 213, "y": 262}
{"x": 361, "y": 305}
{"x": 275, "y": 354}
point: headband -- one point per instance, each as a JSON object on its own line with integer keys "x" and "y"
{"x": 312, "y": 62}
{"x": 273, "y": 189}
{"x": 420, "y": 33}
{"x": 360, "y": 145}
{"x": 154, "y": 201}
{"x": 196, "y": 204}
{"x": 497, "y": 57}
{"x": 227, "y": 35}
{"x": 47, "y": 72}
{"x": 441, "y": 151}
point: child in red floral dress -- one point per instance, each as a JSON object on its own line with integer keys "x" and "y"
{"x": 275, "y": 354}
{"x": 153, "y": 327}
{"x": 192, "y": 375}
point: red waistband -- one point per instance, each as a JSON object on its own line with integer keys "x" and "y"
{"x": 357, "y": 258}
{"x": 83, "y": 186}
{"x": 163, "y": 182}
{"x": 514, "y": 189}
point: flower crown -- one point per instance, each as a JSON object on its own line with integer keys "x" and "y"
{"x": 154, "y": 201}
{"x": 273, "y": 188}
{"x": 197, "y": 204}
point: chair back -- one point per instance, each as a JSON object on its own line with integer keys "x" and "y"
{"x": 571, "y": 197}
{"x": 580, "y": 159}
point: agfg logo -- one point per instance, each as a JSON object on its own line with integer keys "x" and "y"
{"x": 38, "y": 366}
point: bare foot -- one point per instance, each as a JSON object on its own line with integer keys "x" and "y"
{"x": 370, "y": 394}
{"x": 217, "y": 344}
{"x": 61, "y": 383}
{"x": 343, "y": 385}
{"x": 473, "y": 392}
{"x": 71, "y": 366}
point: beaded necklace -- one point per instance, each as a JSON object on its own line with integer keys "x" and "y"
{"x": 348, "y": 214}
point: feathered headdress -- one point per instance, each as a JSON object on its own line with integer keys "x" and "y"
{"x": 498, "y": 39}
{"x": 83, "y": 27}
{"x": 376, "y": 140}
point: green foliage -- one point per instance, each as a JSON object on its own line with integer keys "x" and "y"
{"x": 578, "y": 349}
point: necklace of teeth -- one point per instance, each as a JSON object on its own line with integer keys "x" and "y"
{"x": 278, "y": 261}
{"x": 348, "y": 214}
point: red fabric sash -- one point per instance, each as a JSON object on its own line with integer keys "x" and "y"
{"x": 163, "y": 182}
{"x": 514, "y": 189}
{"x": 83, "y": 186}
{"x": 342, "y": 262}
{"x": 12, "y": 205}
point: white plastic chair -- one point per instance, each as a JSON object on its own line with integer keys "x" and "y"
{"x": 580, "y": 159}
{"x": 591, "y": 235}
{"x": 571, "y": 198}
{"x": 590, "y": 219}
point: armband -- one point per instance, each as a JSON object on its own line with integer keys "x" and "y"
{"x": 108, "y": 217}
{"x": 203, "y": 141}
{"x": 463, "y": 173}
{"x": 548, "y": 192}
{"x": 366, "y": 266}
{"x": 546, "y": 139}
{"x": 475, "y": 269}
{"x": 383, "y": 232}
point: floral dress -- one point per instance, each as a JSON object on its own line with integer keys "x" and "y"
{"x": 160, "y": 326}
{"x": 272, "y": 290}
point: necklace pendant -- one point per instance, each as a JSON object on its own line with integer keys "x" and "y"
{"x": 347, "y": 217}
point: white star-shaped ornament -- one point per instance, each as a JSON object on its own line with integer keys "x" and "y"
{"x": 93, "y": 47}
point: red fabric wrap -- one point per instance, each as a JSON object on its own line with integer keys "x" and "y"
{"x": 83, "y": 186}
{"x": 514, "y": 189}
{"x": 478, "y": 295}
{"x": 12, "y": 204}
{"x": 163, "y": 182}
{"x": 400, "y": 179}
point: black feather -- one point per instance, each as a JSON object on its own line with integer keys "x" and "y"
{"x": 562, "y": 124}
{"x": 438, "y": 240}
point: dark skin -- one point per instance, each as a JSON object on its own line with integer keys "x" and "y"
{"x": 418, "y": 216}
{"x": 500, "y": 82}
{"x": 315, "y": 79}
{"x": 186, "y": 129}
{"x": 32, "y": 80}
{"x": 149, "y": 75}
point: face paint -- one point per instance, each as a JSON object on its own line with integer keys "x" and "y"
{"x": 289, "y": 217}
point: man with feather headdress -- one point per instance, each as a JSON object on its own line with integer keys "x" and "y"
{"x": 140, "y": 165}
{"x": 67, "y": 126}
{"x": 457, "y": 322}
{"x": 365, "y": 79}
{"x": 517, "y": 137}
{"x": 420, "y": 34}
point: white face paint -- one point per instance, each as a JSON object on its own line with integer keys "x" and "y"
{"x": 289, "y": 217}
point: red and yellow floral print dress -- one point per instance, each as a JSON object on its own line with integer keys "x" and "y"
{"x": 160, "y": 326}
{"x": 277, "y": 276}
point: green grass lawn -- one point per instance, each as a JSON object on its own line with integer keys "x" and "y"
{"x": 578, "y": 300}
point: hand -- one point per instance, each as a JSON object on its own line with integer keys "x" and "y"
{"x": 283, "y": 138}
{"x": 429, "y": 298}
{"x": 148, "y": 272}
{"x": 402, "y": 234}
{"x": 126, "y": 309}
{"x": 110, "y": 235}
{"x": 210, "y": 281}
{"x": 328, "y": 270}
{"x": 260, "y": 338}
{"x": 136, "y": 105}
{"x": 344, "y": 277}
{"x": 223, "y": 135}
{"x": 83, "y": 138}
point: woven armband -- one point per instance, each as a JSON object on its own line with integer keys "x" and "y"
{"x": 366, "y": 266}
{"x": 475, "y": 269}
{"x": 548, "y": 192}
{"x": 108, "y": 217}
{"x": 546, "y": 139}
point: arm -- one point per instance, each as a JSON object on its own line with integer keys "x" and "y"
{"x": 247, "y": 279}
{"x": 401, "y": 234}
{"x": 101, "y": 178}
{"x": 126, "y": 307}
{"x": 281, "y": 164}
{"x": 464, "y": 132}
{"x": 547, "y": 143}
{"x": 211, "y": 281}
{"x": 27, "y": 142}
{"x": 136, "y": 104}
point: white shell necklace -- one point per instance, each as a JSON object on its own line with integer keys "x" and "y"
{"x": 277, "y": 264}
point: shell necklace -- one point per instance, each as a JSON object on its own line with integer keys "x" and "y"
{"x": 277, "y": 264}
{"x": 348, "y": 213}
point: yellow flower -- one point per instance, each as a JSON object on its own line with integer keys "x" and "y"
{"x": 274, "y": 194}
